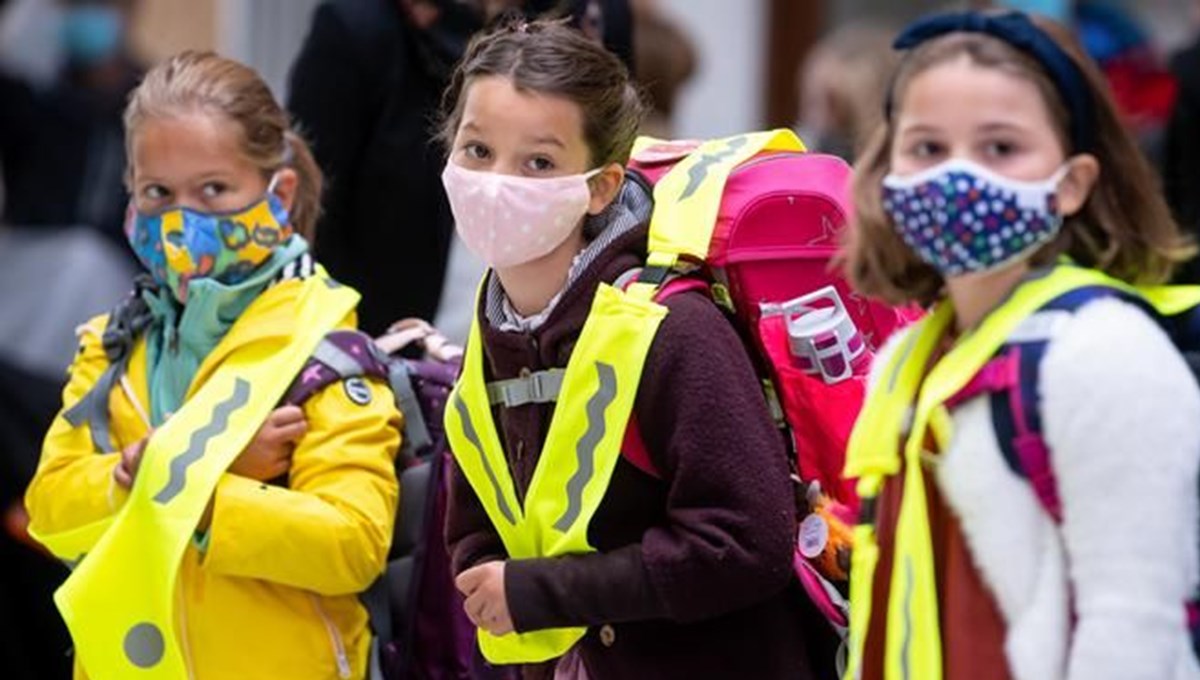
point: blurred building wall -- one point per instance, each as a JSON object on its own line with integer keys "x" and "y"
{"x": 163, "y": 27}
{"x": 726, "y": 94}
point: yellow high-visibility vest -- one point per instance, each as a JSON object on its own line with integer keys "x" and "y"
{"x": 905, "y": 406}
{"x": 597, "y": 390}
{"x": 119, "y": 601}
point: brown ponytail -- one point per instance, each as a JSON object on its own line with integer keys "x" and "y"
{"x": 203, "y": 81}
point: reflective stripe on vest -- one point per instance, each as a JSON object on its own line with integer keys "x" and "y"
{"x": 577, "y": 461}
{"x": 890, "y": 426}
{"x": 119, "y": 602}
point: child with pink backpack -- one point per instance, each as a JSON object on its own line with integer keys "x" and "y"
{"x": 625, "y": 497}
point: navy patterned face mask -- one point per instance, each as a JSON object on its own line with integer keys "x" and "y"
{"x": 962, "y": 218}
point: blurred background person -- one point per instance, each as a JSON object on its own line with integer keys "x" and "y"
{"x": 1181, "y": 144}
{"x": 65, "y": 71}
{"x": 666, "y": 59}
{"x": 61, "y": 142}
{"x": 842, "y": 84}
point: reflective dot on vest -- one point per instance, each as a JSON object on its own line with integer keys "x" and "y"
{"x": 144, "y": 645}
{"x": 525, "y": 228}
{"x": 608, "y": 636}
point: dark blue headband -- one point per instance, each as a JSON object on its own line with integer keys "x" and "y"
{"x": 1017, "y": 30}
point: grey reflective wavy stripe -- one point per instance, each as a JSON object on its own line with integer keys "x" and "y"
{"x": 585, "y": 450}
{"x": 199, "y": 441}
{"x": 699, "y": 172}
{"x": 337, "y": 359}
{"x": 542, "y": 387}
{"x": 93, "y": 407}
{"x": 416, "y": 432}
{"x": 906, "y": 641}
{"x": 469, "y": 433}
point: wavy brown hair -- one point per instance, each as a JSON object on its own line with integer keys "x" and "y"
{"x": 192, "y": 82}
{"x": 1124, "y": 228}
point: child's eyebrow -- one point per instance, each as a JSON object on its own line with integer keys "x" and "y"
{"x": 918, "y": 128}
{"x": 549, "y": 140}
{"x": 1000, "y": 125}
{"x": 213, "y": 174}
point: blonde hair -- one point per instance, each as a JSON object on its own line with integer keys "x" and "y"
{"x": 192, "y": 82}
{"x": 1124, "y": 228}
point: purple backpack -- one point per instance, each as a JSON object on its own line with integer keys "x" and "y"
{"x": 416, "y": 613}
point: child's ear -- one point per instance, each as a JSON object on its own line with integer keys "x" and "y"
{"x": 605, "y": 187}
{"x": 1078, "y": 184}
{"x": 286, "y": 183}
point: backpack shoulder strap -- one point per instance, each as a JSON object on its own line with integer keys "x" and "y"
{"x": 341, "y": 355}
{"x": 126, "y": 322}
{"x": 634, "y": 448}
{"x": 1015, "y": 397}
{"x": 345, "y": 354}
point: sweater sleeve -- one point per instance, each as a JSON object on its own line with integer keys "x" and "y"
{"x": 726, "y": 539}
{"x": 1121, "y": 408}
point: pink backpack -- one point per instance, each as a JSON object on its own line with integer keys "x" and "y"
{"x": 779, "y": 225}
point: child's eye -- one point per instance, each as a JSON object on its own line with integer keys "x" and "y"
{"x": 999, "y": 149}
{"x": 155, "y": 192}
{"x": 476, "y": 151}
{"x": 926, "y": 149}
{"x": 213, "y": 189}
{"x": 540, "y": 164}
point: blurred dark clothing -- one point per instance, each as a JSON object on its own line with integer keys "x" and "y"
{"x": 1181, "y": 153}
{"x": 34, "y": 643}
{"x": 50, "y": 281}
{"x": 366, "y": 90}
{"x": 63, "y": 151}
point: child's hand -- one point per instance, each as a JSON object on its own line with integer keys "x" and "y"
{"x": 486, "y": 605}
{"x": 269, "y": 454}
{"x": 126, "y": 470}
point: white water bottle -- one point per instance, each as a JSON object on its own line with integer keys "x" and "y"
{"x": 822, "y": 337}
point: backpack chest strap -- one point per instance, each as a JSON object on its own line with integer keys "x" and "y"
{"x": 542, "y": 387}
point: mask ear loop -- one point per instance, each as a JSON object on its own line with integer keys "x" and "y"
{"x": 1060, "y": 174}
{"x": 285, "y": 162}
{"x": 1054, "y": 184}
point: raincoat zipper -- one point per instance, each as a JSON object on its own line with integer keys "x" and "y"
{"x": 335, "y": 637}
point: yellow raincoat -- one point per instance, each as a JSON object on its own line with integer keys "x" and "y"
{"x": 274, "y": 595}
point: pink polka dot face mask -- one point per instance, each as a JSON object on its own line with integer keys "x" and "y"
{"x": 508, "y": 220}
{"x": 962, "y": 218}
